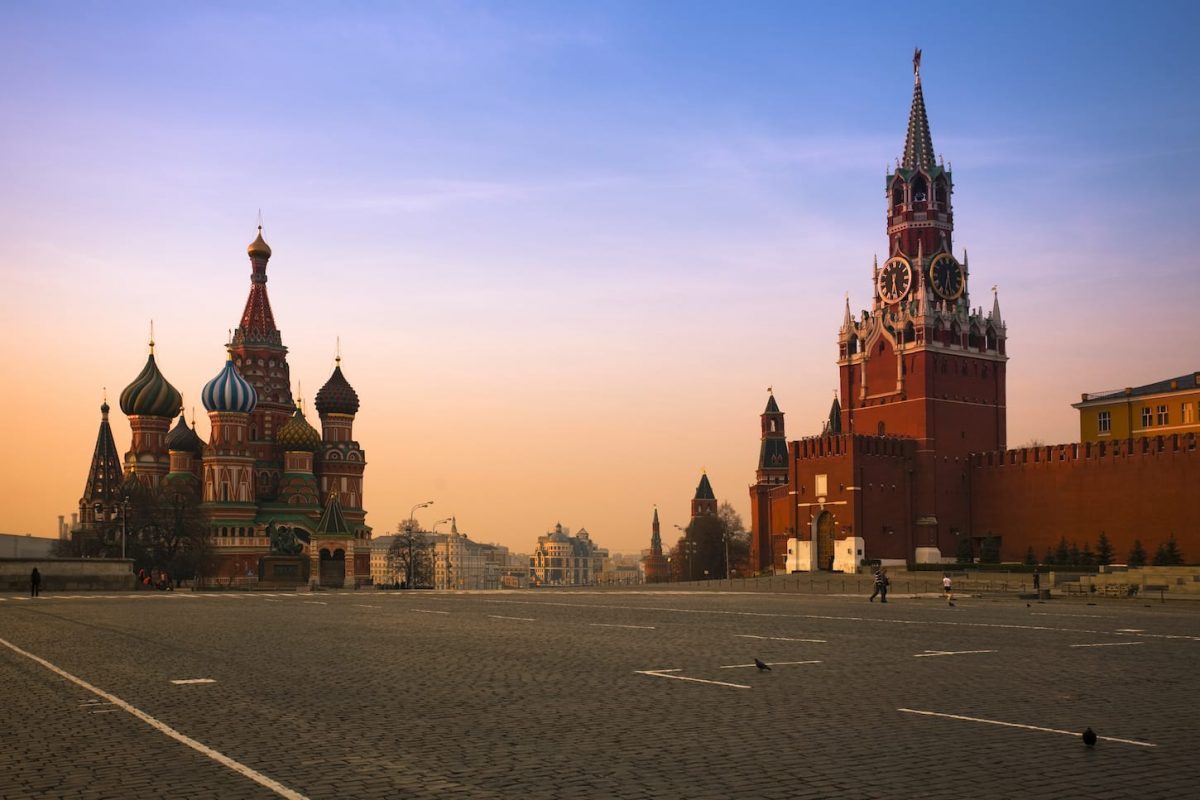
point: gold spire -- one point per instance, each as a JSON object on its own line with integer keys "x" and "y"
{"x": 151, "y": 337}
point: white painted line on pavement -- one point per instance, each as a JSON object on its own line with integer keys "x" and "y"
{"x": 662, "y": 673}
{"x": 360, "y": 605}
{"x": 165, "y": 729}
{"x": 771, "y": 664}
{"x": 1079, "y": 616}
{"x": 1130, "y": 630}
{"x": 183, "y": 681}
{"x": 315, "y": 603}
{"x": 522, "y": 619}
{"x": 1018, "y": 725}
{"x": 1109, "y": 644}
{"x": 845, "y": 618}
{"x": 929, "y": 653}
{"x": 614, "y": 625}
{"x": 779, "y": 638}
{"x": 425, "y": 611}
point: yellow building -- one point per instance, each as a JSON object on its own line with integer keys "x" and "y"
{"x": 1156, "y": 409}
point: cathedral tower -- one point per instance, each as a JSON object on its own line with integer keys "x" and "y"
{"x": 261, "y": 358}
{"x": 654, "y": 563}
{"x": 101, "y": 499}
{"x": 228, "y": 460}
{"x": 704, "y": 504}
{"x": 340, "y": 461}
{"x": 150, "y": 402}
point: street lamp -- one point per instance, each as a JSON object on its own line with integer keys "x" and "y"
{"x": 432, "y": 531}
{"x": 408, "y": 568}
{"x": 124, "y": 523}
{"x": 413, "y": 510}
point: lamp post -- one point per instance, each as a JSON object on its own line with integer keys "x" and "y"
{"x": 687, "y": 546}
{"x": 433, "y": 532}
{"x": 411, "y": 524}
{"x": 124, "y": 523}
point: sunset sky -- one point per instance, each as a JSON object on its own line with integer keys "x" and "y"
{"x": 567, "y": 246}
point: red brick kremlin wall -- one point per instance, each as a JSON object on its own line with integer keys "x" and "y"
{"x": 1133, "y": 489}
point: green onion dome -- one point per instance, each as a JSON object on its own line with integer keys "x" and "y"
{"x": 297, "y": 434}
{"x": 183, "y": 438}
{"x": 337, "y": 396}
{"x": 229, "y": 391}
{"x": 150, "y": 395}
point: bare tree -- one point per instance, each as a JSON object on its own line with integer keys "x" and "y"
{"x": 411, "y": 551}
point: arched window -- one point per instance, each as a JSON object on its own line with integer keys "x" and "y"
{"x": 920, "y": 189}
{"x": 940, "y": 194}
{"x": 897, "y": 195}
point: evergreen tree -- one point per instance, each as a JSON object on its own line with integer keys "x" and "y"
{"x": 1160, "y": 556}
{"x": 1174, "y": 555}
{"x": 1049, "y": 559}
{"x": 989, "y": 551}
{"x": 1137, "y": 555}
{"x": 1030, "y": 557}
{"x": 1086, "y": 557}
{"x": 1062, "y": 553}
{"x": 1104, "y": 550}
{"x": 965, "y": 554}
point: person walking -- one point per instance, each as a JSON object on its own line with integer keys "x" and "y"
{"x": 1037, "y": 580}
{"x": 35, "y": 583}
{"x": 946, "y": 589}
{"x": 881, "y": 586}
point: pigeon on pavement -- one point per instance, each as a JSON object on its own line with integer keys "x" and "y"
{"x": 761, "y": 666}
{"x": 1089, "y": 737}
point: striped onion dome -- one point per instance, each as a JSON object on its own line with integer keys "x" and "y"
{"x": 297, "y": 434}
{"x": 150, "y": 395}
{"x": 183, "y": 437}
{"x": 229, "y": 391}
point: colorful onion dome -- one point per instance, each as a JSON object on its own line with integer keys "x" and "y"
{"x": 297, "y": 434}
{"x": 229, "y": 391}
{"x": 150, "y": 395}
{"x": 183, "y": 438}
{"x": 337, "y": 396}
{"x": 259, "y": 248}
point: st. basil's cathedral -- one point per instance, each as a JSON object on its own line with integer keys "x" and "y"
{"x": 264, "y": 472}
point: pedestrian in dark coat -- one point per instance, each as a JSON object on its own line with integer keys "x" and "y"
{"x": 881, "y": 585}
{"x": 35, "y": 583}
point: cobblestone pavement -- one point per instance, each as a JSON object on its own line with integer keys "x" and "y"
{"x": 607, "y": 694}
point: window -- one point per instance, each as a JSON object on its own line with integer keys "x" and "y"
{"x": 1104, "y": 422}
{"x": 1162, "y": 415}
{"x": 1188, "y": 413}
{"x": 1147, "y": 417}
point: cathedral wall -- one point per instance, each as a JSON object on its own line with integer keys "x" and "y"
{"x": 1132, "y": 489}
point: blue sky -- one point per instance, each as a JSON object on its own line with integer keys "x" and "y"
{"x": 578, "y": 239}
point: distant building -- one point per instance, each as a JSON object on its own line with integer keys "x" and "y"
{"x": 25, "y": 545}
{"x": 1156, "y": 409}
{"x": 655, "y": 568}
{"x": 564, "y": 560}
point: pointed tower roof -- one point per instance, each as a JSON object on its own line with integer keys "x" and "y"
{"x": 996, "y": 318}
{"x": 834, "y": 423}
{"x": 105, "y": 476}
{"x": 183, "y": 437}
{"x": 772, "y": 406}
{"x": 258, "y": 323}
{"x": 918, "y": 144}
{"x": 333, "y": 522}
{"x": 655, "y": 535}
{"x": 704, "y": 489}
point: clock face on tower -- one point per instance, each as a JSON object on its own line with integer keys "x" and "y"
{"x": 895, "y": 279}
{"x": 946, "y": 277}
